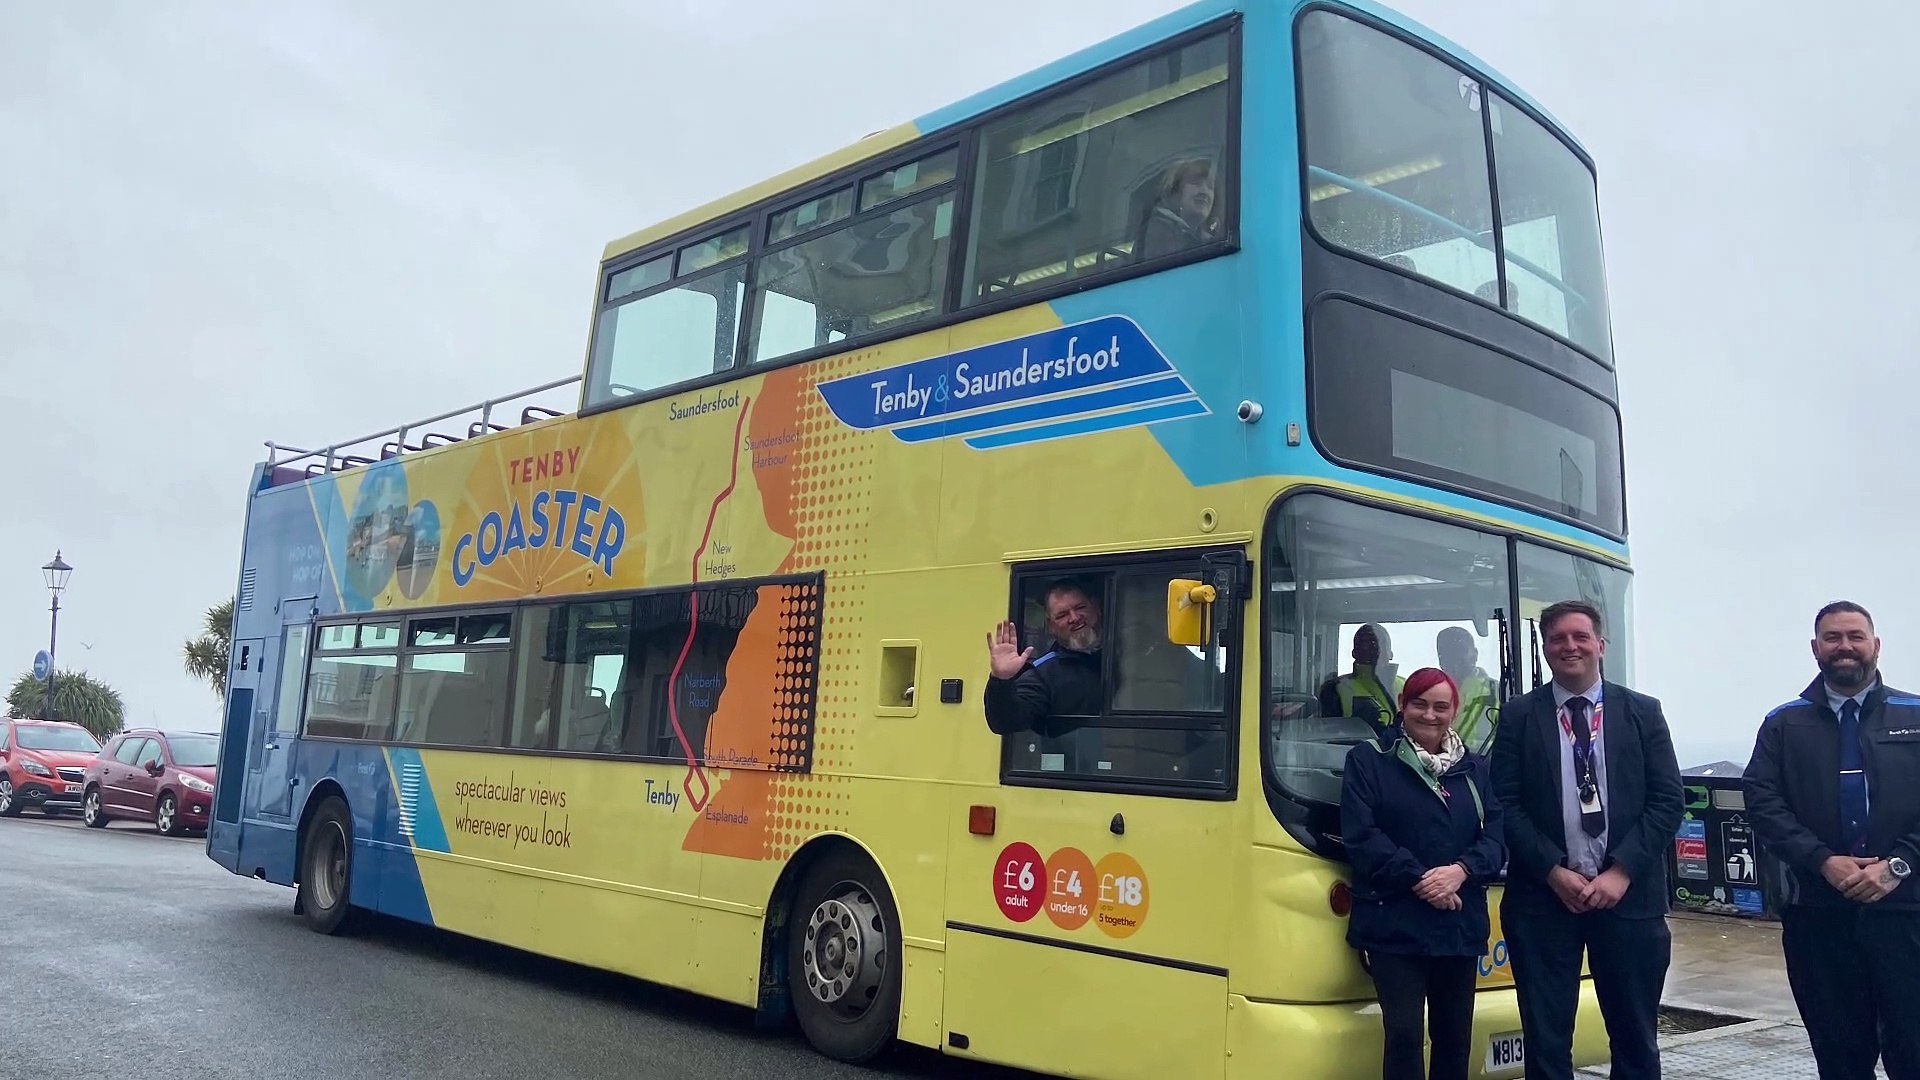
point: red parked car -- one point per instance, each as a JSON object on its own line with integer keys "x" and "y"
{"x": 43, "y": 765}
{"x": 145, "y": 774}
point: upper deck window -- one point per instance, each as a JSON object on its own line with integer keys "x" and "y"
{"x": 879, "y": 271}
{"x": 656, "y": 331}
{"x": 909, "y": 179}
{"x": 810, "y": 215}
{"x": 1550, "y": 225}
{"x": 1398, "y": 169}
{"x": 1122, "y": 170}
{"x": 1125, "y": 171}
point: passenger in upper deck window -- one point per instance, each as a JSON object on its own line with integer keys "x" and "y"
{"x": 1059, "y": 690}
{"x": 1182, "y": 216}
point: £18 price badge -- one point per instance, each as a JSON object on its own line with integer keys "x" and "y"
{"x": 1019, "y": 882}
{"x": 1121, "y": 902}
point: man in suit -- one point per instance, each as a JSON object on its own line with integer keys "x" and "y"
{"x": 1586, "y": 777}
{"x": 1834, "y": 792}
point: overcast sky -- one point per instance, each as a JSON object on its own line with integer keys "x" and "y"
{"x": 227, "y": 223}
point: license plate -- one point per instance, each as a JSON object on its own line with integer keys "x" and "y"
{"x": 73, "y": 789}
{"x": 1506, "y": 1052}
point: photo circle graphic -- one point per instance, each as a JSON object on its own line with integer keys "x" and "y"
{"x": 376, "y": 530}
{"x": 420, "y": 551}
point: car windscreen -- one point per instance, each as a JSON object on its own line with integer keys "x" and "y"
{"x": 57, "y": 738}
{"x": 198, "y": 753}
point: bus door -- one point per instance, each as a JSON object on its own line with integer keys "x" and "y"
{"x": 230, "y": 777}
{"x": 1088, "y": 905}
{"x": 279, "y": 721}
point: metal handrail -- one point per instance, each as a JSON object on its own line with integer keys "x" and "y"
{"x": 331, "y": 452}
{"x": 1472, "y": 236}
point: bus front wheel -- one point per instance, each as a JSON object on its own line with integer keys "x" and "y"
{"x": 326, "y": 870}
{"x": 843, "y": 957}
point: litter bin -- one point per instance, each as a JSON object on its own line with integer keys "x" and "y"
{"x": 1716, "y": 864}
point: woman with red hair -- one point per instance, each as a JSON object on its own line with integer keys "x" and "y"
{"x": 1422, "y": 831}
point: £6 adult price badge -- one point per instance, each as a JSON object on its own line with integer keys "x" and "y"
{"x": 1019, "y": 882}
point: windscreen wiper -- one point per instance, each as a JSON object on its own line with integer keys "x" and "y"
{"x": 1507, "y": 688}
{"x": 1533, "y": 634}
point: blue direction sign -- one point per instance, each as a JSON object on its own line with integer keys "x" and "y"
{"x": 42, "y": 666}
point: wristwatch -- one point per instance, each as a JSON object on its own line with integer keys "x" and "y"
{"x": 1898, "y": 866}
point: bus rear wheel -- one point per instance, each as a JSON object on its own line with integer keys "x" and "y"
{"x": 843, "y": 958}
{"x": 326, "y": 867}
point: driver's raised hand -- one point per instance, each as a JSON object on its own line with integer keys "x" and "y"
{"x": 1004, "y": 652}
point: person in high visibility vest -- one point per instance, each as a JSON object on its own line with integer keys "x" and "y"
{"x": 1479, "y": 710}
{"x": 1369, "y": 691}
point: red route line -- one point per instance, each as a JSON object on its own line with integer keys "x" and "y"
{"x": 694, "y": 772}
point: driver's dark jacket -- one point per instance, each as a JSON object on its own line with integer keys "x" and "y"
{"x": 1052, "y": 695}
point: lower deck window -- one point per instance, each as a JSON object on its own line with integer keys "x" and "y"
{"x": 1133, "y": 707}
{"x": 714, "y": 674}
{"x": 1359, "y": 597}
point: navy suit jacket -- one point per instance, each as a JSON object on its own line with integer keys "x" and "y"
{"x": 1644, "y": 799}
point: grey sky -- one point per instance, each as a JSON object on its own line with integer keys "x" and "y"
{"x": 226, "y": 223}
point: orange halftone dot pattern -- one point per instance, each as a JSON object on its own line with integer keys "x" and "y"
{"x": 765, "y": 722}
{"x": 774, "y": 432}
{"x": 791, "y": 725}
{"x": 832, "y": 482}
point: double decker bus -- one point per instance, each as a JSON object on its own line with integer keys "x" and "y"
{"x": 1279, "y": 329}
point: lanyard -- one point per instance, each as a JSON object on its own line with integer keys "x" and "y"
{"x": 1583, "y": 759}
{"x": 1593, "y": 722}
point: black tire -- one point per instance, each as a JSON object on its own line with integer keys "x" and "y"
{"x": 9, "y": 802}
{"x": 326, "y": 867}
{"x": 166, "y": 816}
{"x": 843, "y": 957}
{"x": 91, "y": 810}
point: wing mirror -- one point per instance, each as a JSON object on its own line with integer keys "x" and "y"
{"x": 1189, "y": 612}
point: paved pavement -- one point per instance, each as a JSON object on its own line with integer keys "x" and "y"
{"x": 1757, "y": 1050}
{"x": 1730, "y": 966}
{"x": 129, "y": 954}
{"x": 1733, "y": 968}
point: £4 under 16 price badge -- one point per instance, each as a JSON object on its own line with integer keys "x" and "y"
{"x": 1121, "y": 902}
{"x": 1019, "y": 882}
{"x": 1070, "y": 888}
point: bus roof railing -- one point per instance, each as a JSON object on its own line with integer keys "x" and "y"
{"x": 291, "y": 464}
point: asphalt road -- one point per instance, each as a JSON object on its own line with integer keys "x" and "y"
{"x": 124, "y": 953}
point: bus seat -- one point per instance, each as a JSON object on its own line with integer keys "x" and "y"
{"x": 382, "y": 697}
{"x": 459, "y": 711}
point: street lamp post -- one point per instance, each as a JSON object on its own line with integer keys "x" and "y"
{"x": 56, "y": 573}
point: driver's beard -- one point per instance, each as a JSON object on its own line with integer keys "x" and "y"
{"x": 1084, "y": 640}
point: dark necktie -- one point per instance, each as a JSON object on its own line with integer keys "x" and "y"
{"x": 1853, "y": 781}
{"x": 1585, "y": 776}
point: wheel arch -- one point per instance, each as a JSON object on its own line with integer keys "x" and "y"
{"x": 774, "y": 1005}
{"x": 315, "y": 798}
